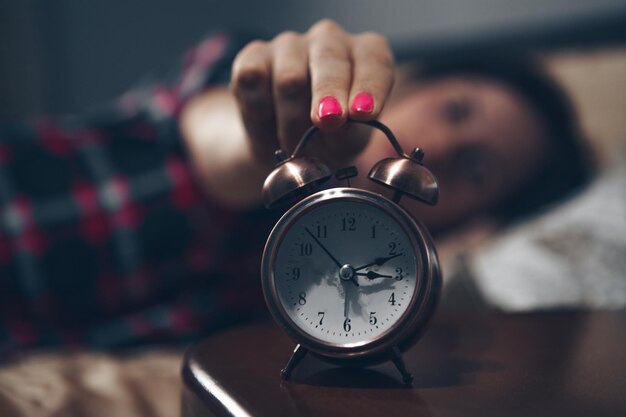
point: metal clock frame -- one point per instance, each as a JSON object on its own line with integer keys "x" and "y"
{"x": 409, "y": 326}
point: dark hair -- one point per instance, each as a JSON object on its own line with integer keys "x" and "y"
{"x": 568, "y": 165}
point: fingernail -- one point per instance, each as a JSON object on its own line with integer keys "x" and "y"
{"x": 329, "y": 106}
{"x": 363, "y": 103}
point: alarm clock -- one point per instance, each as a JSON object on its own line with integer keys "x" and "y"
{"x": 349, "y": 274}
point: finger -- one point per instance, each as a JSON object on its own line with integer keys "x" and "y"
{"x": 290, "y": 88}
{"x": 250, "y": 83}
{"x": 373, "y": 75}
{"x": 330, "y": 71}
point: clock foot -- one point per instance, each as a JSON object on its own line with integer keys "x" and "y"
{"x": 396, "y": 358}
{"x": 298, "y": 353}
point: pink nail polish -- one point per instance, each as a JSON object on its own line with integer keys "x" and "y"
{"x": 329, "y": 106}
{"x": 363, "y": 103}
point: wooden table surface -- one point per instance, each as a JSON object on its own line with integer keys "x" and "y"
{"x": 551, "y": 364}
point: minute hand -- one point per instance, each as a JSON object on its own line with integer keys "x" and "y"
{"x": 378, "y": 261}
{"x": 323, "y": 248}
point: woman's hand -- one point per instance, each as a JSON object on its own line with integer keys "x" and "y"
{"x": 278, "y": 90}
{"x": 321, "y": 77}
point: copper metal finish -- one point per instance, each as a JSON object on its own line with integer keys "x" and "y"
{"x": 373, "y": 123}
{"x": 407, "y": 329}
{"x": 293, "y": 179}
{"x": 297, "y": 176}
{"x": 408, "y": 176}
{"x": 346, "y": 173}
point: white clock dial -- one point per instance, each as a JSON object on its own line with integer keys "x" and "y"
{"x": 345, "y": 272}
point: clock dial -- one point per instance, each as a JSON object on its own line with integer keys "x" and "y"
{"x": 345, "y": 272}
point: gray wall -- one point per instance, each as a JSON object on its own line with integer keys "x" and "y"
{"x": 65, "y": 55}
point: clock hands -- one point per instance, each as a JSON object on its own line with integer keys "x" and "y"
{"x": 372, "y": 275}
{"x": 323, "y": 247}
{"x": 352, "y": 273}
{"x": 339, "y": 265}
{"x": 378, "y": 261}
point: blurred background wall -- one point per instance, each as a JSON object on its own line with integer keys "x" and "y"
{"x": 65, "y": 55}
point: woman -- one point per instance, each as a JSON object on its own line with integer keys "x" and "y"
{"x": 490, "y": 128}
{"x": 105, "y": 240}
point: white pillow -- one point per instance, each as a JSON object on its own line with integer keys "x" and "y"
{"x": 572, "y": 256}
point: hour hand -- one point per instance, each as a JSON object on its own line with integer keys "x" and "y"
{"x": 379, "y": 261}
{"x": 373, "y": 275}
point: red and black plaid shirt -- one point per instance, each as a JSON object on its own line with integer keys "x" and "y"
{"x": 104, "y": 238}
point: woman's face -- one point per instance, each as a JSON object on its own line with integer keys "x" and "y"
{"x": 481, "y": 141}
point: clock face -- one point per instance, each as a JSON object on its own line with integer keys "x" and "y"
{"x": 345, "y": 272}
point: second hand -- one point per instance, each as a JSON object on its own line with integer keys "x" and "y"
{"x": 339, "y": 265}
{"x": 323, "y": 248}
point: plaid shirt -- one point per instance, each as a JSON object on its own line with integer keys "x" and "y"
{"x": 105, "y": 240}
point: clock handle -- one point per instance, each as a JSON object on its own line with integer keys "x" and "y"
{"x": 373, "y": 123}
{"x": 297, "y": 176}
{"x": 404, "y": 174}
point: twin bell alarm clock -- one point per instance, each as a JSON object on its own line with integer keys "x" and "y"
{"x": 350, "y": 275}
